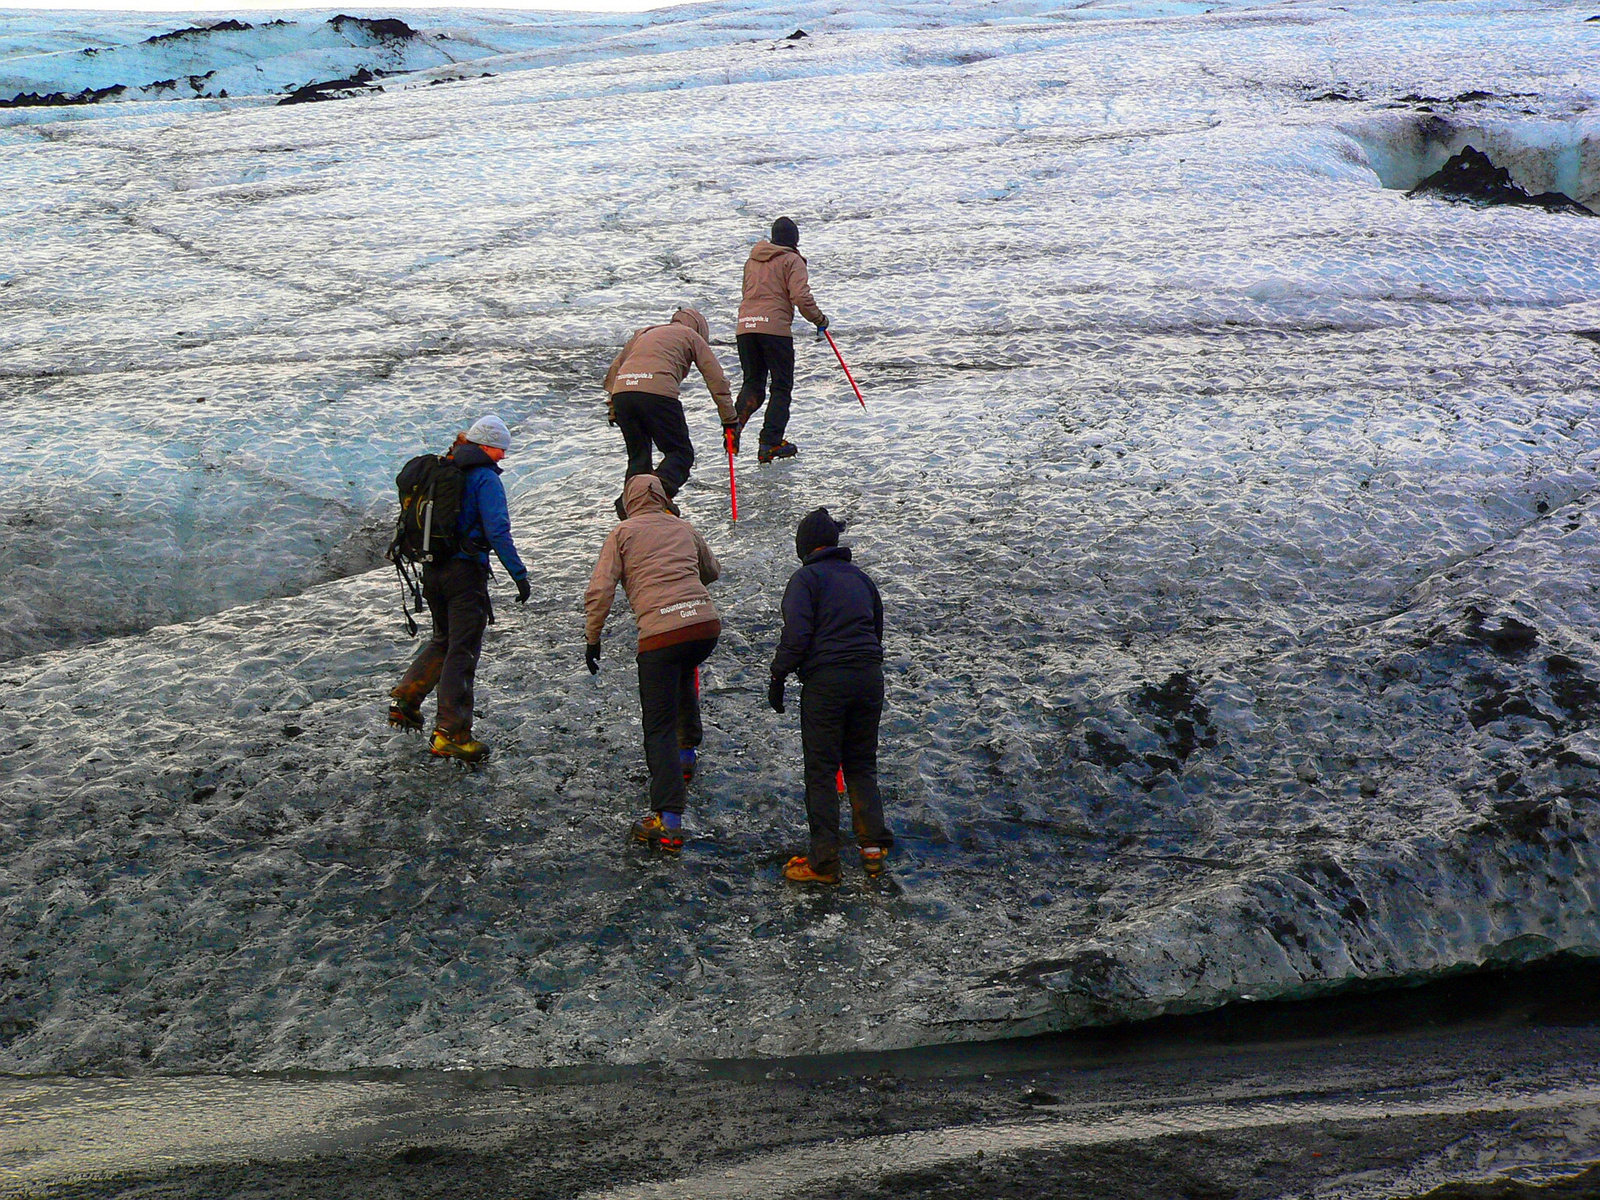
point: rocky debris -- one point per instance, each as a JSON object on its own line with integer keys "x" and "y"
{"x": 358, "y": 84}
{"x": 50, "y": 99}
{"x": 1471, "y": 177}
{"x": 387, "y": 29}
{"x": 192, "y": 31}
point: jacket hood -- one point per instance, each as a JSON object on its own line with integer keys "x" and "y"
{"x": 643, "y": 494}
{"x": 766, "y": 252}
{"x": 470, "y": 454}
{"x": 692, "y": 318}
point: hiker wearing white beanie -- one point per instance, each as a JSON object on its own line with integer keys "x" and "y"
{"x": 490, "y": 431}
{"x": 455, "y": 584}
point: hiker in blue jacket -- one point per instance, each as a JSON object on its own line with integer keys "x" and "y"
{"x": 833, "y": 639}
{"x": 457, "y": 594}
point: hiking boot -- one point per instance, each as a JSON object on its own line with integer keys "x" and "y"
{"x": 688, "y": 760}
{"x": 798, "y": 870}
{"x": 459, "y": 746}
{"x": 873, "y": 859}
{"x": 650, "y": 830}
{"x": 405, "y": 716}
{"x": 784, "y": 449}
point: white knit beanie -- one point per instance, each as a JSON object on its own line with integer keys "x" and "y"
{"x": 490, "y": 431}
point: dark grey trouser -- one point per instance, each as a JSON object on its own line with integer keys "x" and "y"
{"x": 840, "y": 708}
{"x": 764, "y": 355}
{"x": 647, "y": 420}
{"x": 670, "y": 706}
{"x": 457, "y": 595}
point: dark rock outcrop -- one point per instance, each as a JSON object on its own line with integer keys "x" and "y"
{"x": 1471, "y": 177}
{"x": 333, "y": 89}
{"x": 175, "y": 35}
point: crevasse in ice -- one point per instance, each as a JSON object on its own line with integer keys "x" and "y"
{"x": 1235, "y": 517}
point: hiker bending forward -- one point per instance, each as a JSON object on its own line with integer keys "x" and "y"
{"x": 643, "y": 385}
{"x": 776, "y": 282}
{"x": 456, "y": 590}
{"x": 664, "y": 565}
{"x": 833, "y": 639}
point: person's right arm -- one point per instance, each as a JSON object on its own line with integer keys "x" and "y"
{"x": 799, "y": 622}
{"x": 602, "y": 591}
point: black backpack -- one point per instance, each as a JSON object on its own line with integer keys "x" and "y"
{"x": 426, "y": 531}
{"x": 430, "y": 507}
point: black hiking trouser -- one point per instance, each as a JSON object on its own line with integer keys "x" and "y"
{"x": 670, "y": 706}
{"x": 457, "y": 595}
{"x": 840, "y": 708}
{"x": 764, "y": 355}
{"x": 645, "y": 420}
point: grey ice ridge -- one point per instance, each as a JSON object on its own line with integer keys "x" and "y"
{"x": 1236, "y": 516}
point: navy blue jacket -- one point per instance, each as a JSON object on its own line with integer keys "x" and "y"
{"x": 485, "y": 519}
{"x": 832, "y": 616}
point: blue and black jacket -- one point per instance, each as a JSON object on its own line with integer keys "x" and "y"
{"x": 485, "y": 519}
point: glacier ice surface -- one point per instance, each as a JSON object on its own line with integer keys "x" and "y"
{"x": 1235, "y": 517}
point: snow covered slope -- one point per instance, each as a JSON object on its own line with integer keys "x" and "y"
{"x": 1236, "y": 518}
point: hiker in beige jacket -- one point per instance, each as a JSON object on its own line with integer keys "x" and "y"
{"x": 776, "y": 283}
{"x": 642, "y": 386}
{"x": 664, "y": 565}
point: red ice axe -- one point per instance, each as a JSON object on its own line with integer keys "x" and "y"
{"x": 733, "y": 491}
{"x": 824, "y": 332}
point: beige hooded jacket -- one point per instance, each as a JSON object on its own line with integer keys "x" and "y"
{"x": 663, "y": 564}
{"x": 657, "y": 359}
{"x": 775, "y": 284}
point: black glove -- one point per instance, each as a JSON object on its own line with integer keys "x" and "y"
{"x": 523, "y": 590}
{"x": 591, "y": 655}
{"x": 611, "y": 411}
{"x": 730, "y": 435}
{"x": 775, "y": 695}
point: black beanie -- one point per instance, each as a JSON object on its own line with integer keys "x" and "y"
{"x": 817, "y": 529}
{"x": 785, "y": 233}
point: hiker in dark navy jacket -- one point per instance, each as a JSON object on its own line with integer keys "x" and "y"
{"x": 833, "y": 639}
{"x": 457, "y": 594}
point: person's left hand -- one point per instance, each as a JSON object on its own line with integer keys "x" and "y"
{"x": 523, "y": 589}
{"x": 775, "y": 695}
{"x": 591, "y": 656}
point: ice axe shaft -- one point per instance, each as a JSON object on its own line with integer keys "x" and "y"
{"x": 842, "y": 364}
{"x": 733, "y": 490}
